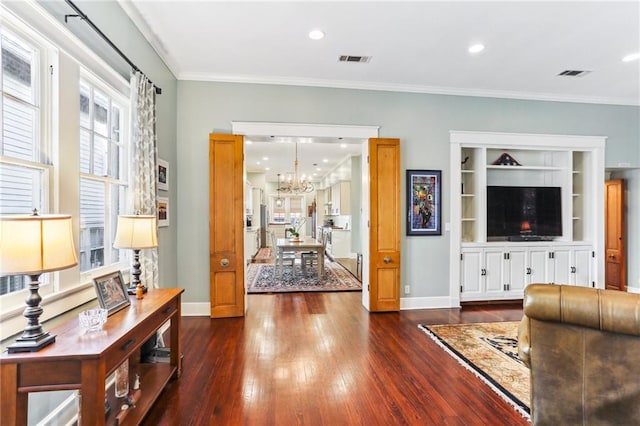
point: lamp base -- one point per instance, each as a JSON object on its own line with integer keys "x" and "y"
{"x": 132, "y": 289}
{"x": 23, "y": 344}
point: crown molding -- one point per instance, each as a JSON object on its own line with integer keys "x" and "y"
{"x": 405, "y": 88}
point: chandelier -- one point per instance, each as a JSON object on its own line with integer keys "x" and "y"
{"x": 296, "y": 185}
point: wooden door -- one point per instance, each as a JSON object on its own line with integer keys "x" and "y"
{"x": 384, "y": 230}
{"x": 226, "y": 231}
{"x": 615, "y": 260}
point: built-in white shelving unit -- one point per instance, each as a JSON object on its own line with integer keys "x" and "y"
{"x": 491, "y": 270}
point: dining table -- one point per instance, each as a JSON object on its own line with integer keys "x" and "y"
{"x": 304, "y": 244}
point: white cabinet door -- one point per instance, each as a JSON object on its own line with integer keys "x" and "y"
{"x": 481, "y": 274}
{"x": 581, "y": 267}
{"x": 537, "y": 265}
{"x": 562, "y": 265}
{"x": 493, "y": 277}
{"x": 471, "y": 276}
{"x": 516, "y": 268}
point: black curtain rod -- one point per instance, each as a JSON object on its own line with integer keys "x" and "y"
{"x": 84, "y": 17}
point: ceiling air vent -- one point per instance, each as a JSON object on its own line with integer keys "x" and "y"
{"x": 574, "y": 73}
{"x": 350, "y": 58}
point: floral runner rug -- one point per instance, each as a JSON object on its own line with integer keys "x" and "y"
{"x": 261, "y": 279}
{"x": 490, "y": 351}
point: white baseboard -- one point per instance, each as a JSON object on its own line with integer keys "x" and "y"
{"x": 411, "y": 303}
{"x": 633, "y": 290}
{"x": 198, "y": 309}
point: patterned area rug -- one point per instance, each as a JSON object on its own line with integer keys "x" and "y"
{"x": 263, "y": 254}
{"x": 260, "y": 279}
{"x": 490, "y": 351}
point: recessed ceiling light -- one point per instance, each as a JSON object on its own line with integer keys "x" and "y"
{"x": 631, "y": 57}
{"x": 316, "y": 35}
{"x": 265, "y": 158}
{"x": 343, "y": 145}
{"x": 476, "y": 48}
{"x": 249, "y": 142}
{"x": 267, "y": 168}
{"x": 324, "y": 160}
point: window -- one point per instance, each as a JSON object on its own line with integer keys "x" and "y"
{"x": 284, "y": 209}
{"x": 24, "y": 170}
{"x": 103, "y": 174}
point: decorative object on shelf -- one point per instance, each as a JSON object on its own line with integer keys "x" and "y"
{"x": 294, "y": 230}
{"x": 163, "y": 175}
{"x": 136, "y": 232}
{"x": 296, "y": 185}
{"x": 424, "y": 204}
{"x": 122, "y": 379}
{"x": 463, "y": 162}
{"x": 92, "y": 319}
{"x": 506, "y": 160}
{"x": 163, "y": 211}
{"x": 31, "y": 245}
{"x": 112, "y": 293}
{"x": 136, "y": 382}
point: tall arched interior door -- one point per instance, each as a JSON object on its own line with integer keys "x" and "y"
{"x": 384, "y": 230}
{"x": 226, "y": 226}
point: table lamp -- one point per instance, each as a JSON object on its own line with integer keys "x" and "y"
{"x": 32, "y": 245}
{"x": 136, "y": 232}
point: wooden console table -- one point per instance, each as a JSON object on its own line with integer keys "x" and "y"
{"x": 83, "y": 362}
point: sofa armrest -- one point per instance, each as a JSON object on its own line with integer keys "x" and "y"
{"x": 524, "y": 346}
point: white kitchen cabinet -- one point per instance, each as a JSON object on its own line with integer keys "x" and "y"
{"x": 251, "y": 246}
{"x": 340, "y": 243}
{"x": 340, "y": 196}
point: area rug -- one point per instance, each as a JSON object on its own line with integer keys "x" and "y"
{"x": 490, "y": 351}
{"x": 263, "y": 254}
{"x": 260, "y": 279}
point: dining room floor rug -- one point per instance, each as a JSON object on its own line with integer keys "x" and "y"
{"x": 260, "y": 279}
{"x": 490, "y": 351}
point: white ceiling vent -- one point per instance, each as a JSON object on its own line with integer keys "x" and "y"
{"x": 351, "y": 58}
{"x": 574, "y": 73}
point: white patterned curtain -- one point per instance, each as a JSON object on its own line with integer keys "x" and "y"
{"x": 144, "y": 156}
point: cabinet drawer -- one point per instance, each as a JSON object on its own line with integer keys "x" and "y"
{"x": 134, "y": 339}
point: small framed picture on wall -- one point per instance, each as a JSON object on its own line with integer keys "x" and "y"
{"x": 163, "y": 175}
{"x": 163, "y": 211}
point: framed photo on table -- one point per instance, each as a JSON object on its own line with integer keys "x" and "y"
{"x": 424, "y": 202}
{"x": 112, "y": 293}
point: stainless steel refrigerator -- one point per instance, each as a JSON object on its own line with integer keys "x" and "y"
{"x": 264, "y": 220}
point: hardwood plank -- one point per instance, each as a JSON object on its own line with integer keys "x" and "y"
{"x": 320, "y": 358}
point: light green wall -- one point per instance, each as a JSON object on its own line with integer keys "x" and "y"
{"x": 421, "y": 121}
{"x": 109, "y": 17}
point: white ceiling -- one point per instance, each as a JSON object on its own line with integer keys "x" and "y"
{"x": 414, "y": 46}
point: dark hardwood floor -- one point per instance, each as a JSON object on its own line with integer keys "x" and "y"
{"x": 322, "y": 359}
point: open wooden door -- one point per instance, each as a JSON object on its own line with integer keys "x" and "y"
{"x": 615, "y": 261}
{"x": 384, "y": 230}
{"x": 226, "y": 230}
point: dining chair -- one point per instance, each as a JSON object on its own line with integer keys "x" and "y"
{"x": 310, "y": 258}
{"x": 282, "y": 259}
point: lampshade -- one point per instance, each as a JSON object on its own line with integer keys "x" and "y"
{"x": 35, "y": 244}
{"x": 136, "y": 232}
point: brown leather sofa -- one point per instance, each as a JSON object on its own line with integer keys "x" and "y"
{"x": 583, "y": 350}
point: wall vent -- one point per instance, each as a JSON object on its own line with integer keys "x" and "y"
{"x": 574, "y": 73}
{"x": 351, "y": 58}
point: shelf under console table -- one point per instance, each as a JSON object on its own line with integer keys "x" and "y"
{"x": 84, "y": 361}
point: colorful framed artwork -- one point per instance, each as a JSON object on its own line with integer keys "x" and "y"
{"x": 112, "y": 294}
{"x": 424, "y": 202}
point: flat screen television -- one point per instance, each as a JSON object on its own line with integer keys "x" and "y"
{"x": 524, "y": 212}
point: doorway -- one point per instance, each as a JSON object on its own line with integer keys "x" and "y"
{"x": 329, "y": 134}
